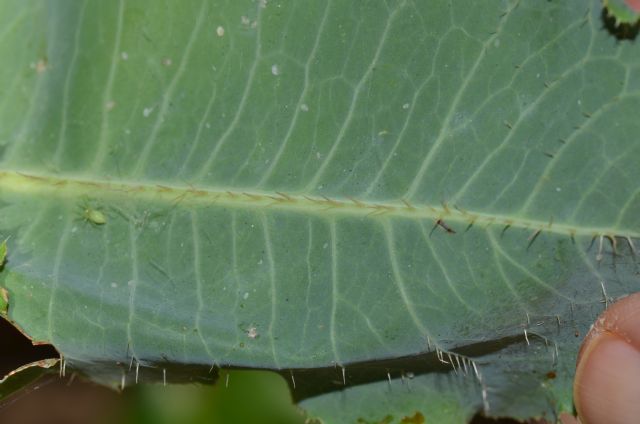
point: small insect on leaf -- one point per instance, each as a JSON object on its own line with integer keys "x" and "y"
{"x": 91, "y": 215}
{"x": 95, "y": 216}
{"x": 88, "y": 212}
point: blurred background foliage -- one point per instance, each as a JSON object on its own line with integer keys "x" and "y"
{"x": 256, "y": 397}
{"x": 259, "y": 397}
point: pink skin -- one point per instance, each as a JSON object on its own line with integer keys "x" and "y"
{"x": 634, "y": 4}
{"x": 607, "y": 384}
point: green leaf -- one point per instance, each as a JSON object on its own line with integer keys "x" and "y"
{"x": 435, "y": 398}
{"x": 623, "y": 11}
{"x": 346, "y": 192}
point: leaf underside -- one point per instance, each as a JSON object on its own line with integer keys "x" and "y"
{"x": 321, "y": 185}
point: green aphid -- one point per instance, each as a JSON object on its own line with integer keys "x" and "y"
{"x": 90, "y": 214}
{"x": 94, "y": 216}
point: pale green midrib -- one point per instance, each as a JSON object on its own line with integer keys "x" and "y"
{"x": 70, "y": 187}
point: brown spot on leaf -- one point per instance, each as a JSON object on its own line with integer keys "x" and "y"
{"x": 417, "y": 418}
{"x": 385, "y": 420}
{"x": 41, "y": 65}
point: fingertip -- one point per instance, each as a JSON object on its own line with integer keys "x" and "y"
{"x": 607, "y": 383}
{"x": 566, "y": 418}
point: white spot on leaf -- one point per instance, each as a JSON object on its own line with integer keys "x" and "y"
{"x": 252, "y": 332}
{"x": 275, "y": 70}
{"x": 220, "y": 31}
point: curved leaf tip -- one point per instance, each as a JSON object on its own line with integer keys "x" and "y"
{"x": 22, "y": 377}
{"x": 42, "y": 364}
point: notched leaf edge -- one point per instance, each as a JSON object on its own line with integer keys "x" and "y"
{"x": 4, "y": 299}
